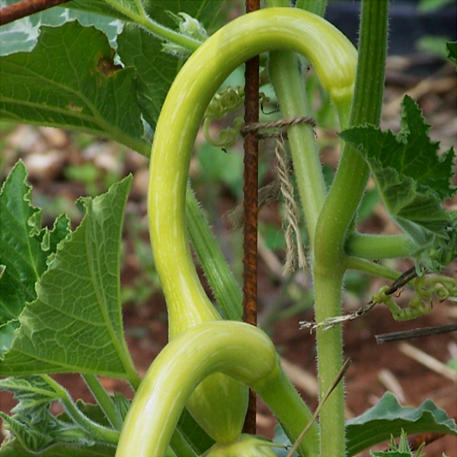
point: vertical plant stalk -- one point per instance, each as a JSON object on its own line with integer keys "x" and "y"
{"x": 337, "y": 215}
{"x": 319, "y": 407}
{"x": 290, "y": 89}
{"x": 103, "y": 400}
{"x": 225, "y": 288}
{"x": 313, "y": 6}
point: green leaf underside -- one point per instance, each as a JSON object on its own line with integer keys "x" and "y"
{"x": 25, "y": 250}
{"x": 32, "y": 393}
{"x": 20, "y": 253}
{"x": 13, "y": 448}
{"x": 69, "y": 80}
{"x": 32, "y": 424}
{"x": 413, "y": 180}
{"x": 156, "y": 70}
{"x": 100, "y": 7}
{"x": 203, "y": 10}
{"x": 281, "y": 438}
{"x": 391, "y": 454}
{"x": 388, "y": 418}
{"x": 452, "y": 51}
{"x": 193, "y": 433}
{"x": 75, "y": 324}
{"x": 36, "y": 430}
{"x": 22, "y": 34}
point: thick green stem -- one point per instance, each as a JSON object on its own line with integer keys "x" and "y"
{"x": 313, "y": 6}
{"x": 283, "y": 399}
{"x": 168, "y": 34}
{"x": 239, "y": 350}
{"x": 289, "y": 86}
{"x": 103, "y": 400}
{"x": 94, "y": 430}
{"x": 220, "y": 277}
{"x": 277, "y": 3}
{"x": 327, "y": 290}
{"x": 379, "y": 246}
{"x": 337, "y": 215}
{"x": 350, "y": 179}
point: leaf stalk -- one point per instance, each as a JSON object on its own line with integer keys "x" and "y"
{"x": 95, "y": 430}
{"x": 103, "y": 400}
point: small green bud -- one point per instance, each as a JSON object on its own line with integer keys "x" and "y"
{"x": 246, "y": 446}
{"x": 188, "y": 26}
{"x": 192, "y": 27}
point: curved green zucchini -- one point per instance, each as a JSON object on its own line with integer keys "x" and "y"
{"x": 219, "y": 404}
{"x": 239, "y": 350}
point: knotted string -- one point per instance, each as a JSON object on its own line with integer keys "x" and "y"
{"x": 295, "y": 253}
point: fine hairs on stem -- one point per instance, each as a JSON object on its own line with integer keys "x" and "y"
{"x": 300, "y": 438}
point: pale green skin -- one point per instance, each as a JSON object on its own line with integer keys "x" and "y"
{"x": 246, "y": 446}
{"x": 219, "y": 404}
{"x": 334, "y": 59}
{"x": 239, "y": 350}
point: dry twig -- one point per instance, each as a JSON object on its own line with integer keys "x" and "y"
{"x": 403, "y": 279}
{"x": 390, "y": 382}
{"x": 337, "y": 380}
{"x": 428, "y": 361}
{"x": 415, "y": 333}
{"x": 300, "y": 377}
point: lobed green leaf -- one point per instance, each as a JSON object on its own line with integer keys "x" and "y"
{"x": 13, "y": 448}
{"x": 69, "y": 80}
{"x": 25, "y": 250}
{"x": 33, "y": 394}
{"x": 391, "y": 454}
{"x": 22, "y": 34}
{"x": 105, "y": 8}
{"x": 388, "y": 418}
{"x": 452, "y": 51}
{"x": 203, "y": 10}
{"x": 155, "y": 69}
{"x": 75, "y": 323}
{"x": 413, "y": 180}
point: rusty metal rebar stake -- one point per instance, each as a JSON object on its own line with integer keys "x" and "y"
{"x": 250, "y": 190}
{"x": 25, "y": 8}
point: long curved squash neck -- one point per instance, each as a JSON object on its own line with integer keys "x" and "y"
{"x": 334, "y": 59}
